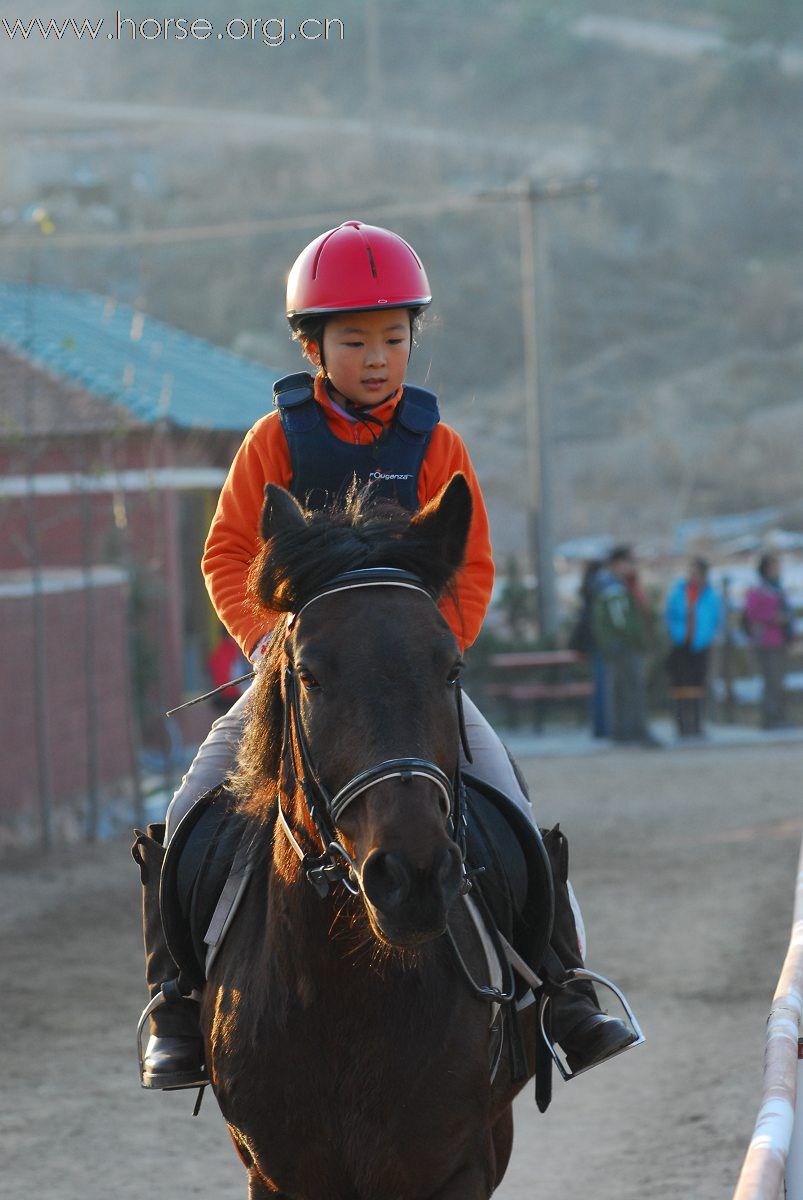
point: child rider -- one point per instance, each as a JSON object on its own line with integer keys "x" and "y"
{"x": 353, "y": 296}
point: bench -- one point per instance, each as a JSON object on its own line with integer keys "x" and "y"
{"x": 516, "y": 684}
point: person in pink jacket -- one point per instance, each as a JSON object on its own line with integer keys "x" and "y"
{"x": 768, "y": 619}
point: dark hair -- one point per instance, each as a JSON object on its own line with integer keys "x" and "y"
{"x": 620, "y": 554}
{"x": 311, "y": 328}
{"x": 700, "y": 564}
{"x": 359, "y": 532}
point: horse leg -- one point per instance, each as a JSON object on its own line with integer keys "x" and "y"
{"x": 502, "y": 1138}
{"x": 476, "y": 1179}
{"x": 259, "y": 1190}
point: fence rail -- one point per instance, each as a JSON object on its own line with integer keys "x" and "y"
{"x": 778, "y": 1132}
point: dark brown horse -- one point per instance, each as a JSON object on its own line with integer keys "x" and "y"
{"x": 348, "y": 1056}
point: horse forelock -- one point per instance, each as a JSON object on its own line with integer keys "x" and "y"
{"x": 298, "y": 560}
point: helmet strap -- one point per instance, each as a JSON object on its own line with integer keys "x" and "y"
{"x": 359, "y": 413}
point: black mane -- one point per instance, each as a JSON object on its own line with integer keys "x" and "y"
{"x": 298, "y": 560}
{"x": 302, "y": 551}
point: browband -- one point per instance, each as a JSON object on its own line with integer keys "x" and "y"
{"x": 366, "y": 577}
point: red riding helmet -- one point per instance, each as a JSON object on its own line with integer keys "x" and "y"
{"x": 353, "y": 268}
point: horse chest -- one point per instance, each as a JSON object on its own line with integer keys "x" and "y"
{"x": 375, "y": 1075}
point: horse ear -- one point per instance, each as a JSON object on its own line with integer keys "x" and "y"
{"x": 445, "y": 520}
{"x": 281, "y": 511}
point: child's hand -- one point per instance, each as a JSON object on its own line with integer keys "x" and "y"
{"x": 259, "y": 651}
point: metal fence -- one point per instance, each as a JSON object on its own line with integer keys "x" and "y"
{"x": 773, "y": 1165}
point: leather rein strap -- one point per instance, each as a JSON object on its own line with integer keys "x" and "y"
{"x": 334, "y": 864}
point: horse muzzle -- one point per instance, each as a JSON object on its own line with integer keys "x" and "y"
{"x": 408, "y": 902}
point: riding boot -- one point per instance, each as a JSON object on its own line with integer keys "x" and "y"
{"x": 174, "y": 1056}
{"x": 586, "y": 1035}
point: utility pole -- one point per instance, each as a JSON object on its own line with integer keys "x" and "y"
{"x": 373, "y": 78}
{"x": 44, "y": 227}
{"x": 535, "y": 308}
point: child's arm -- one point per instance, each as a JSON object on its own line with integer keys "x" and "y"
{"x": 233, "y": 541}
{"x": 446, "y": 455}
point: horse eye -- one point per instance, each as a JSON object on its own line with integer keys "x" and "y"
{"x": 307, "y": 680}
{"x": 454, "y": 674}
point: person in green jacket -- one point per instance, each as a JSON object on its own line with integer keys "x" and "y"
{"x": 621, "y": 626}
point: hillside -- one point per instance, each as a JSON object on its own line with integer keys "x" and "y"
{"x": 673, "y": 311}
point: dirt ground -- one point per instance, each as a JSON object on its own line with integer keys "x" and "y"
{"x": 684, "y": 863}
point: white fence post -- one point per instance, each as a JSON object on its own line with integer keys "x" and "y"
{"x": 762, "y": 1173}
{"x": 794, "y": 1163}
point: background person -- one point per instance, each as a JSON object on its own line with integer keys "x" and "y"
{"x": 769, "y": 623}
{"x": 693, "y": 617}
{"x": 583, "y": 641}
{"x": 621, "y": 625}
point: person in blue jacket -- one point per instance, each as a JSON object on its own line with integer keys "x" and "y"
{"x": 693, "y": 616}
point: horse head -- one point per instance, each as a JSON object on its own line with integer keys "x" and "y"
{"x": 364, "y": 680}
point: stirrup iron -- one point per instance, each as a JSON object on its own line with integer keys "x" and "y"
{"x": 575, "y": 974}
{"x": 158, "y": 1000}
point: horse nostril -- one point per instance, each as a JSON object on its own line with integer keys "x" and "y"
{"x": 447, "y": 872}
{"x": 386, "y": 880}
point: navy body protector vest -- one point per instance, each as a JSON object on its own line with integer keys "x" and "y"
{"x": 324, "y": 466}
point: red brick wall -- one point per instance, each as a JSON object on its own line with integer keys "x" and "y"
{"x": 67, "y": 701}
{"x": 139, "y": 529}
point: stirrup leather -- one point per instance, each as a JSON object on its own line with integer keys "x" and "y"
{"x": 575, "y": 975}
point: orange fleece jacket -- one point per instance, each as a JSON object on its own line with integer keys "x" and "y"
{"x": 264, "y": 457}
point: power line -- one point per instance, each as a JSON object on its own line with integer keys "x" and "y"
{"x": 237, "y": 229}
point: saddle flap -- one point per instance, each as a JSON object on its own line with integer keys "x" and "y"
{"x": 516, "y": 876}
{"x": 196, "y": 869}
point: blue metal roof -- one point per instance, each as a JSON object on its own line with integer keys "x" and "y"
{"x": 120, "y": 354}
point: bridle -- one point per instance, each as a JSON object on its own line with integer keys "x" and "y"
{"x": 334, "y": 864}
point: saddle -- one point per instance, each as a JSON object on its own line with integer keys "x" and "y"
{"x": 508, "y": 864}
{"x": 204, "y": 876}
{"x": 208, "y": 865}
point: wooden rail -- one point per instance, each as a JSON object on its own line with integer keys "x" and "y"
{"x": 515, "y": 686}
{"x": 762, "y": 1174}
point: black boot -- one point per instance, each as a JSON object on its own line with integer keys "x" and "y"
{"x": 583, "y": 1031}
{"x": 174, "y": 1056}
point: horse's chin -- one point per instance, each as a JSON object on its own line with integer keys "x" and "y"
{"x": 400, "y": 936}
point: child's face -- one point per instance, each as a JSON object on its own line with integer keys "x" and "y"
{"x": 366, "y": 353}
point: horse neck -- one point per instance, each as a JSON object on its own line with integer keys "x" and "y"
{"x": 308, "y": 917}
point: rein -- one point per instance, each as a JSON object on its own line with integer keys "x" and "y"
{"x": 334, "y": 864}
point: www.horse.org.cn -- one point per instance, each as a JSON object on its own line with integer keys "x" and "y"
{"x": 270, "y": 31}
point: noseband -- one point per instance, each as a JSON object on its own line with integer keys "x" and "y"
{"x": 334, "y": 864}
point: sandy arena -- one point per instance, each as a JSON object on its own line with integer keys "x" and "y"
{"x": 684, "y": 863}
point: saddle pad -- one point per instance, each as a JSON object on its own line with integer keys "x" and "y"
{"x": 196, "y": 870}
{"x": 516, "y": 877}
